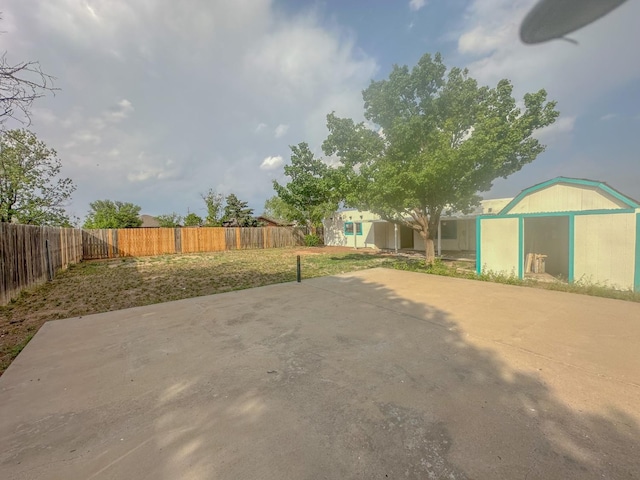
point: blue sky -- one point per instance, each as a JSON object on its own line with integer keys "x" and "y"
{"x": 161, "y": 100}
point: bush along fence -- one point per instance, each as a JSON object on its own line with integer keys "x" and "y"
{"x": 31, "y": 255}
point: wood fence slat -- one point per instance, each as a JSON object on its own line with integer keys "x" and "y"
{"x": 23, "y": 251}
{"x": 23, "y": 255}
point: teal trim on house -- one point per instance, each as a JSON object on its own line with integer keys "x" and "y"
{"x": 572, "y": 244}
{"x": 479, "y": 245}
{"x": 573, "y": 181}
{"x": 350, "y": 226}
{"x": 636, "y": 280}
{"x": 521, "y": 248}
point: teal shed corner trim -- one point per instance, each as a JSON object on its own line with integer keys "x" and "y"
{"x": 636, "y": 280}
{"x": 566, "y": 213}
{"x": 520, "y": 248}
{"x": 573, "y": 181}
{"x": 572, "y": 244}
{"x": 479, "y": 245}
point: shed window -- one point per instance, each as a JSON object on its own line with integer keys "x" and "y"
{"x": 348, "y": 228}
{"x": 449, "y": 229}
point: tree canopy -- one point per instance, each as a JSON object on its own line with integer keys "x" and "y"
{"x": 311, "y": 193}
{"x": 277, "y": 209}
{"x": 438, "y": 139}
{"x": 193, "y": 220}
{"x": 31, "y": 189}
{"x": 214, "y": 202}
{"x": 169, "y": 220}
{"x": 238, "y": 213}
{"x": 110, "y": 214}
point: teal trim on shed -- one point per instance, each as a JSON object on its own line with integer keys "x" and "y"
{"x": 564, "y": 214}
{"x": 572, "y": 245}
{"x": 479, "y": 245}
{"x": 573, "y": 181}
{"x": 636, "y": 279}
{"x": 520, "y": 248}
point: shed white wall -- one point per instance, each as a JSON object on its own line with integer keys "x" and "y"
{"x": 499, "y": 245}
{"x": 565, "y": 198}
{"x": 604, "y": 249}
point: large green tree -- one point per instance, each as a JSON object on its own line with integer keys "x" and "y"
{"x": 31, "y": 189}
{"x": 311, "y": 192}
{"x": 238, "y": 212}
{"x": 439, "y": 139}
{"x": 110, "y": 214}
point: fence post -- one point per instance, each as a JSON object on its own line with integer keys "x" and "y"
{"x": 48, "y": 258}
{"x": 299, "y": 273}
{"x": 178, "y": 239}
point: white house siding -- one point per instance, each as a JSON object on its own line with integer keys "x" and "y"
{"x": 565, "y": 198}
{"x": 334, "y": 229}
{"x": 499, "y": 245}
{"x": 380, "y": 234}
{"x": 494, "y": 205}
{"x": 604, "y": 249}
{"x": 466, "y": 236}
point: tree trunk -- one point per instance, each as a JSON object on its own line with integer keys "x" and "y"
{"x": 430, "y": 253}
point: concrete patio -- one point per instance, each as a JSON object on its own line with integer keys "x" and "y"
{"x": 374, "y": 374}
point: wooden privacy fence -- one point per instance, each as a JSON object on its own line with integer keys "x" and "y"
{"x": 139, "y": 242}
{"x": 30, "y": 255}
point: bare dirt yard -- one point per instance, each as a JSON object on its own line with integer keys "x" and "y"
{"x": 107, "y": 285}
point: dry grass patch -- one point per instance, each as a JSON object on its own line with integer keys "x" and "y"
{"x": 102, "y": 286}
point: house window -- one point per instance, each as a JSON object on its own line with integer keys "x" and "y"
{"x": 348, "y": 228}
{"x": 449, "y": 229}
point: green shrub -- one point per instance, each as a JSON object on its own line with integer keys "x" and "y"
{"x": 312, "y": 240}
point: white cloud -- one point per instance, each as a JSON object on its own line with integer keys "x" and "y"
{"x": 149, "y": 168}
{"x": 122, "y": 111}
{"x": 489, "y": 44}
{"x": 562, "y": 126}
{"x": 182, "y": 82}
{"x": 271, "y": 163}
{"x": 416, "y": 5}
{"x": 608, "y": 116}
{"x": 281, "y": 130}
{"x": 482, "y": 40}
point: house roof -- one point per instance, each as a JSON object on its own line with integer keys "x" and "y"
{"x": 263, "y": 218}
{"x": 602, "y": 187}
{"x": 149, "y": 221}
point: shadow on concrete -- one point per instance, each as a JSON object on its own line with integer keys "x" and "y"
{"x": 337, "y": 377}
{"x": 376, "y": 386}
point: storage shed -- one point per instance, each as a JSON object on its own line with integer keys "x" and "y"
{"x": 574, "y": 229}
